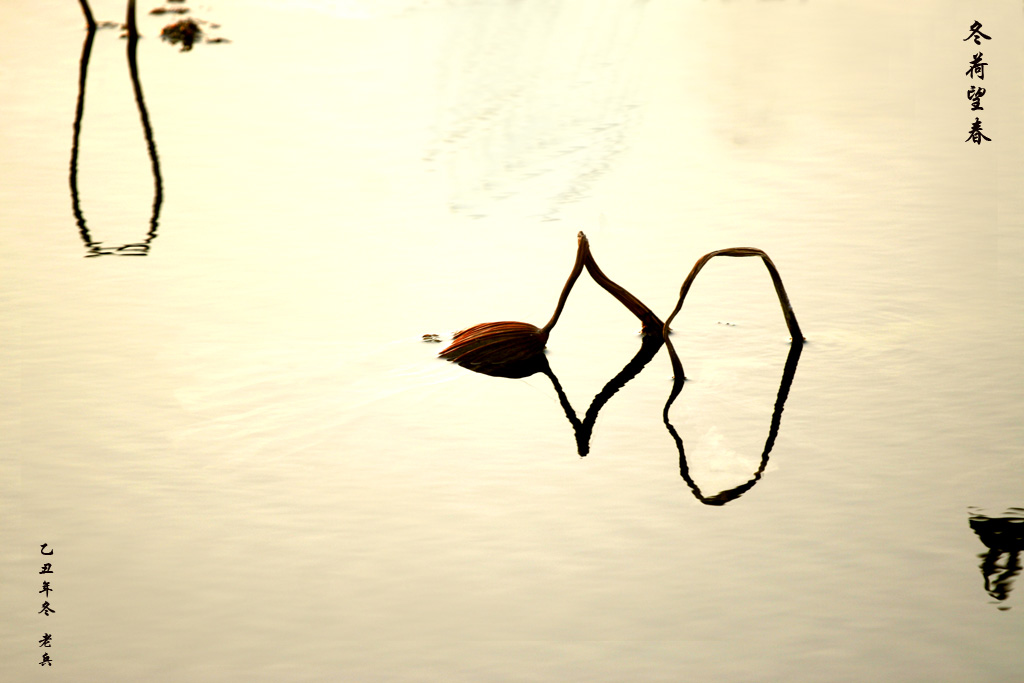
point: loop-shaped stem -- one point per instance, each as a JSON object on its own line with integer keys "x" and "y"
{"x": 780, "y": 290}
{"x": 787, "y": 308}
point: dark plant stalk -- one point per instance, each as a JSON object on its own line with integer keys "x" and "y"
{"x": 780, "y": 290}
{"x": 582, "y": 254}
{"x": 508, "y": 348}
{"x": 89, "y": 21}
{"x": 651, "y": 324}
{"x": 787, "y": 309}
{"x": 76, "y": 134}
{"x": 147, "y": 129}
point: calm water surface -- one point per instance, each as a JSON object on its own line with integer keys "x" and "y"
{"x": 220, "y": 413}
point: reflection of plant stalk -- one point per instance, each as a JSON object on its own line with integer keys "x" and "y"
{"x": 1004, "y": 537}
{"x": 76, "y": 127}
{"x": 95, "y": 248}
{"x": 584, "y": 428}
{"x": 133, "y": 68}
{"x": 89, "y": 21}
{"x": 787, "y": 375}
{"x": 773, "y": 430}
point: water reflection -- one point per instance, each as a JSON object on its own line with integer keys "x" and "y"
{"x": 583, "y": 429}
{"x": 726, "y": 496}
{"x": 515, "y": 350}
{"x": 95, "y": 247}
{"x": 1004, "y": 538}
{"x": 649, "y": 348}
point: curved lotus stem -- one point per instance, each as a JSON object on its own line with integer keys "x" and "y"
{"x": 582, "y": 254}
{"x": 652, "y": 326}
{"x": 787, "y": 309}
{"x": 89, "y": 21}
{"x": 508, "y": 348}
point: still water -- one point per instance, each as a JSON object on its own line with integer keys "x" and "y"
{"x": 222, "y": 416}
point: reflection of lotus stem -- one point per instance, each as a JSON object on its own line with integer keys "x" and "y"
{"x": 724, "y": 497}
{"x": 89, "y": 21}
{"x": 584, "y": 428}
{"x": 95, "y": 248}
{"x": 76, "y": 128}
{"x": 147, "y": 129}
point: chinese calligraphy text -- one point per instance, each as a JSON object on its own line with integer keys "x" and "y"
{"x": 976, "y": 68}
{"x": 46, "y": 610}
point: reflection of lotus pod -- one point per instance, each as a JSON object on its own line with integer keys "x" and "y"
{"x": 1005, "y": 533}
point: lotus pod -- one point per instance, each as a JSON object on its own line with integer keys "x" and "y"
{"x": 505, "y": 349}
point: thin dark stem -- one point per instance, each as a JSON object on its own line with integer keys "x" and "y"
{"x": 780, "y": 290}
{"x": 582, "y": 251}
{"x": 76, "y": 128}
{"x": 726, "y": 496}
{"x": 147, "y": 129}
{"x": 787, "y": 309}
{"x": 89, "y": 21}
{"x": 651, "y": 324}
{"x": 584, "y": 428}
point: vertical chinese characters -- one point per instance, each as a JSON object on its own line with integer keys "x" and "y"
{"x": 47, "y": 610}
{"x": 976, "y": 92}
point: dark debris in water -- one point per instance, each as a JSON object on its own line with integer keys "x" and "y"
{"x": 185, "y": 32}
